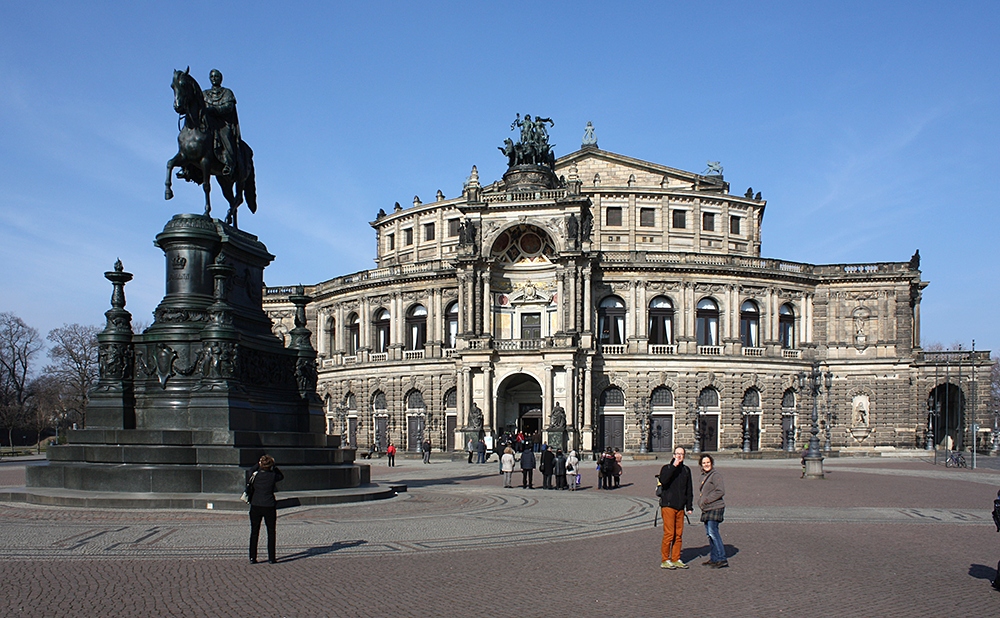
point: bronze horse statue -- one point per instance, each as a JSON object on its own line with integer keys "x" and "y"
{"x": 196, "y": 152}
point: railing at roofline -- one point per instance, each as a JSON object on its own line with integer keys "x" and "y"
{"x": 524, "y": 196}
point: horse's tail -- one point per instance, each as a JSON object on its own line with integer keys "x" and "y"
{"x": 250, "y": 184}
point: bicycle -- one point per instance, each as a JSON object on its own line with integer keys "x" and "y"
{"x": 955, "y": 460}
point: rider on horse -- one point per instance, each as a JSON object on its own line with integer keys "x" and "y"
{"x": 220, "y": 109}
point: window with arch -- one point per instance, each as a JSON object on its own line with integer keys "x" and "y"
{"x": 381, "y": 325}
{"x": 331, "y": 422}
{"x": 611, "y": 321}
{"x": 708, "y": 397}
{"x": 751, "y": 398}
{"x": 451, "y": 400}
{"x": 353, "y": 334}
{"x": 662, "y": 397}
{"x": 707, "y": 322}
{"x": 749, "y": 324}
{"x": 788, "y": 400}
{"x": 786, "y": 326}
{"x": 351, "y": 402}
{"x": 379, "y": 404}
{"x": 661, "y": 321}
{"x": 415, "y": 402}
{"x": 416, "y": 327}
{"x": 612, "y": 397}
{"x": 331, "y": 333}
{"x": 451, "y": 325}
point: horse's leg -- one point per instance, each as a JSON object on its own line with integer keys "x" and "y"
{"x": 171, "y": 164}
{"x": 206, "y": 173}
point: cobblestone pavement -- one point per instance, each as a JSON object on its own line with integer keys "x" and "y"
{"x": 878, "y": 537}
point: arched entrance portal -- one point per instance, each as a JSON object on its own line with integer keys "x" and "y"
{"x": 947, "y": 404}
{"x": 519, "y": 405}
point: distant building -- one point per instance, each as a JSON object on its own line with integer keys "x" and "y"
{"x": 618, "y": 289}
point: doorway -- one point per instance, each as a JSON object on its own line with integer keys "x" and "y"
{"x": 709, "y": 432}
{"x": 661, "y": 434}
{"x": 614, "y": 431}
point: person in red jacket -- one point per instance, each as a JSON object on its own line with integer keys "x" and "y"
{"x": 390, "y": 451}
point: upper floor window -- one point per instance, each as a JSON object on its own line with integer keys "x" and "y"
{"x": 381, "y": 324}
{"x": 353, "y": 334}
{"x": 408, "y": 237}
{"x": 662, "y": 397}
{"x": 680, "y": 219}
{"x": 379, "y": 404}
{"x": 786, "y": 326}
{"x": 451, "y": 399}
{"x": 613, "y": 216}
{"x": 708, "y": 398}
{"x": 416, "y": 328}
{"x": 788, "y": 400}
{"x": 751, "y": 398}
{"x": 647, "y": 217}
{"x": 390, "y": 241}
{"x": 611, "y": 321}
{"x": 428, "y": 231}
{"x": 707, "y": 322}
{"x": 661, "y": 321}
{"x": 531, "y": 326}
{"x": 453, "y": 227}
{"x": 451, "y": 325}
{"x": 708, "y": 221}
{"x": 734, "y": 225}
{"x": 612, "y": 397}
{"x": 749, "y": 324}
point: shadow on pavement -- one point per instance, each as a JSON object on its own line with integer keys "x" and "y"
{"x": 981, "y": 571}
{"x": 319, "y": 551}
{"x": 693, "y": 553}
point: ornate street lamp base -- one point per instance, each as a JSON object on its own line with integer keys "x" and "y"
{"x": 814, "y": 468}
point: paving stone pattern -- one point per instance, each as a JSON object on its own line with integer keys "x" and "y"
{"x": 876, "y": 538}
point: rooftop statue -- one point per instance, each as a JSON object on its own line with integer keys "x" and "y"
{"x": 533, "y": 147}
{"x": 209, "y": 143}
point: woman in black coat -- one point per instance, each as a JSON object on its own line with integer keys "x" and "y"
{"x": 263, "y": 478}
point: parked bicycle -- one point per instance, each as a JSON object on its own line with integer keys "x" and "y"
{"x": 955, "y": 460}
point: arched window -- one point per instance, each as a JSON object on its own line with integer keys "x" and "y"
{"x": 707, "y": 323}
{"x": 353, "y": 334}
{"x": 451, "y": 326}
{"x": 612, "y": 397}
{"x": 661, "y": 321}
{"x": 415, "y": 401}
{"x": 708, "y": 398}
{"x": 788, "y": 400}
{"x": 786, "y": 326}
{"x": 351, "y": 402}
{"x": 662, "y": 397}
{"x": 416, "y": 327}
{"x": 381, "y": 324}
{"x": 749, "y": 324}
{"x": 751, "y": 398}
{"x": 451, "y": 400}
{"x": 611, "y": 321}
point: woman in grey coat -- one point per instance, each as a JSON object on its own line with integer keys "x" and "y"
{"x": 712, "y": 511}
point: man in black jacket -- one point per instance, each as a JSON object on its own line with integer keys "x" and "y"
{"x": 676, "y": 498}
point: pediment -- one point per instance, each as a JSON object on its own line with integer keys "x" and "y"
{"x": 615, "y": 170}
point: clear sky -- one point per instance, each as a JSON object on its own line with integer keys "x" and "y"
{"x": 870, "y": 127}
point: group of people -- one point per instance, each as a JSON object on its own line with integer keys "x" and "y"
{"x": 676, "y": 491}
{"x": 609, "y": 469}
{"x": 558, "y": 470}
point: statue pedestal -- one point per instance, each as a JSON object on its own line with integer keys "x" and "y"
{"x": 529, "y": 177}
{"x": 556, "y": 438}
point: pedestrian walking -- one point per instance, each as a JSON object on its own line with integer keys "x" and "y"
{"x": 573, "y": 470}
{"x": 390, "y": 453}
{"x": 426, "y": 449}
{"x": 527, "y": 469}
{"x": 560, "y": 470}
{"x": 676, "y": 498}
{"x": 262, "y": 478}
{"x": 996, "y": 520}
{"x": 471, "y": 447}
{"x": 547, "y": 468}
{"x": 507, "y": 465}
{"x": 713, "y": 508}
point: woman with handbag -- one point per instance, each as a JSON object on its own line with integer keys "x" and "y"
{"x": 260, "y": 486}
{"x": 713, "y": 509}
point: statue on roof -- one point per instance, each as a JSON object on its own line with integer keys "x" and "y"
{"x": 533, "y": 148}
{"x": 589, "y": 139}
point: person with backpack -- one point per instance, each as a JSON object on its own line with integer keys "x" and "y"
{"x": 607, "y": 468}
{"x": 676, "y": 499}
{"x": 390, "y": 452}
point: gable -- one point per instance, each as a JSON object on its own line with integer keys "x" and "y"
{"x": 615, "y": 170}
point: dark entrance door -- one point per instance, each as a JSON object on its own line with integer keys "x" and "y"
{"x": 788, "y": 432}
{"x": 529, "y": 418}
{"x": 753, "y": 428}
{"x": 709, "y": 432}
{"x": 381, "y": 433}
{"x": 661, "y": 437}
{"x": 614, "y": 431}
{"x": 414, "y": 429}
{"x": 352, "y": 431}
{"x": 451, "y": 423}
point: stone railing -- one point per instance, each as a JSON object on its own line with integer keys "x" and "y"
{"x": 610, "y": 350}
{"x": 945, "y": 357}
{"x": 378, "y": 357}
{"x": 524, "y": 196}
{"x": 520, "y": 344}
{"x": 753, "y": 351}
{"x": 413, "y": 354}
{"x": 449, "y": 352}
{"x": 710, "y": 350}
{"x": 656, "y": 348}
{"x": 791, "y": 354}
{"x": 350, "y": 360}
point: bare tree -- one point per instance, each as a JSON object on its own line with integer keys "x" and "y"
{"x": 74, "y": 353}
{"x": 19, "y": 344}
{"x": 52, "y": 404}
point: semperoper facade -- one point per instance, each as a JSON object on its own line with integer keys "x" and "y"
{"x": 607, "y": 301}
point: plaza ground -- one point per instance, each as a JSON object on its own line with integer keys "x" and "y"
{"x": 877, "y": 537}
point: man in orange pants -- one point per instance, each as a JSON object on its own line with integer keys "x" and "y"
{"x": 676, "y": 498}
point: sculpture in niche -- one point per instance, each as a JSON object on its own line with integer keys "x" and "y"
{"x": 860, "y": 407}
{"x": 475, "y": 417}
{"x": 558, "y": 418}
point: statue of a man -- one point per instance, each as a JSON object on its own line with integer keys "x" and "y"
{"x": 223, "y": 122}
{"x": 475, "y": 417}
{"x": 558, "y": 420}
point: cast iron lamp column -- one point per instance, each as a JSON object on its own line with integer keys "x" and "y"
{"x": 697, "y": 412}
{"x": 930, "y": 428}
{"x": 342, "y": 415}
{"x": 746, "y": 430}
{"x": 815, "y": 380}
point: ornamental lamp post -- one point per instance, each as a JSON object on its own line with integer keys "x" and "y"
{"x": 930, "y": 428}
{"x": 342, "y": 415}
{"x": 697, "y": 411}
{"x": 643, "y": 420}
{"x": 746, "y": 429}
{"x": 815, "y": 380}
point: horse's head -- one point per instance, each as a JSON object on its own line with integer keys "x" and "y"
{"x": 187, "y": 92}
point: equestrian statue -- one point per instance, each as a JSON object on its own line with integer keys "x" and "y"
{"x": 209, "y": 143}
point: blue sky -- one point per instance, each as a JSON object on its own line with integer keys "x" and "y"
{"x": 871, "y": 128}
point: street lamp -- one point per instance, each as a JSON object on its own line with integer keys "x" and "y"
{"x": 746, "y": 429}
{"x": 930, "y": 428}
{"x": 642, "y": 417}
{"x": 815, "y": 380}
{"x": 697, "y": 411}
